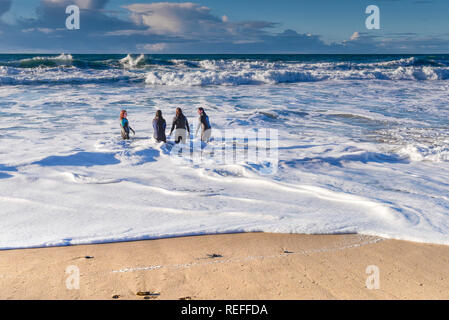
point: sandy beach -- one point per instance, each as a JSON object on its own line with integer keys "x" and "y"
{"x": 233, "y": 266}
{"x": 221, "y": 150}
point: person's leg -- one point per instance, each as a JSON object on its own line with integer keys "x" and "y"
{"x": 125, "y": 135}
{"x": 205, "y": 135}
{"x": 180, "y": 136}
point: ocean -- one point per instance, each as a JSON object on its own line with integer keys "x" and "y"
{"x": 359, "y": 144}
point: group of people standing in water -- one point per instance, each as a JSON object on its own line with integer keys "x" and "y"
{"x": 180, "y": 125}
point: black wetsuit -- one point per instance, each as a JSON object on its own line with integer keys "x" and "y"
{"x": 204, "y": 120}
{"x": 181, "y": 124}
{"x": 159, "y": 126}
{"x": 205, "y": 126}
{"x": 125, "y": 128}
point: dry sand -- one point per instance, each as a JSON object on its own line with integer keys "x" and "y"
{"x": 237, "y": 266}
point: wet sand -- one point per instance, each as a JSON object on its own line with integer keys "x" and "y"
{"x": 235, "y": 266}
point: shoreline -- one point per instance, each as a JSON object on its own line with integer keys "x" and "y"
{"x": 241, "y": 266}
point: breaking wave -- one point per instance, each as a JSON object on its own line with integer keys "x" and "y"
{"x": 418, "y": 144}
{"x": 61, "y": 60}
{"x": 216, "y": 70}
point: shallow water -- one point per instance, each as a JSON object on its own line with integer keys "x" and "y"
{"x": 363, "y": 147}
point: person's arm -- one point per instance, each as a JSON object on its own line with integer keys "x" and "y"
{"x": 172, "y": 126}
{"x": 129, "y": 127}
{"x": 155, "y": 133}
{"x": 198, "y": 127}
{"x": 187, "y": 124}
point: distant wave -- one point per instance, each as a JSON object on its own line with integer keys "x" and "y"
{"x": 245, "y": 77}
{"x": 131, "y": 62}
{"x": 42, "y": 61}
{"x": 55, "y": 76}
{"x": 228, "y": 71}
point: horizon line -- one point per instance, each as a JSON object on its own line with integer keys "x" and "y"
{"x": 236, "y": 54}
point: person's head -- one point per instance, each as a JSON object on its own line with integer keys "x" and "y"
{"x": 178, "y": 112}
{"x": 159, "y": 114}
{"x": 200, "y": 111}
{"x": 123, "y": 114}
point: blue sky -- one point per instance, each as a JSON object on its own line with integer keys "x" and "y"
{"x": 225, "y": 26}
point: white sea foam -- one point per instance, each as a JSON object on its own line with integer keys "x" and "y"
{"x": 368, "y": 157}
{"x": 58, "y": 76}
{"x": 39, "y": 61}
{"x": 221, "y": 72}
{"x": 64, "y": 69}
{"x": 62, "y": 58}
{"x": 131, "y": 62}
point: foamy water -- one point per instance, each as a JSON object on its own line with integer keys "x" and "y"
{"x": 363, "y": 147}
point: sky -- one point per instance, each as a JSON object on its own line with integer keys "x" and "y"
{"x": 224, "y": 26}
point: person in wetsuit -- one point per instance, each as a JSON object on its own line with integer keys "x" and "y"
{"x": 159, "y": 126}
{"x": 204, "y": 124}
{"x": 124, "y": 123}
{"x": 181, "y": 124}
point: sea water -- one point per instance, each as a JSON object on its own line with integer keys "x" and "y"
{"x": 362, "y": 147}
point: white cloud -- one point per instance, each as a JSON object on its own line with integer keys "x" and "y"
{"x": 183, "y": 28}
{"x": 128, "y": 32}
{"x": 153, "y": 48}
{"x": 43, "y": 30}
{"x": 192, "y": 22}
{"x": 355, "y": 36}
{"x": 172, "y": 18}
{"x": 246, "y": 41}
{"x": 83, "y": 4}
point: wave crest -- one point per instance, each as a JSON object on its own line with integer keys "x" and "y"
{"x": 230, "y": 71}
{"x": 247, "y": 77}
{"x": 61, "y": 60}
{"x": 132, "y": 62}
